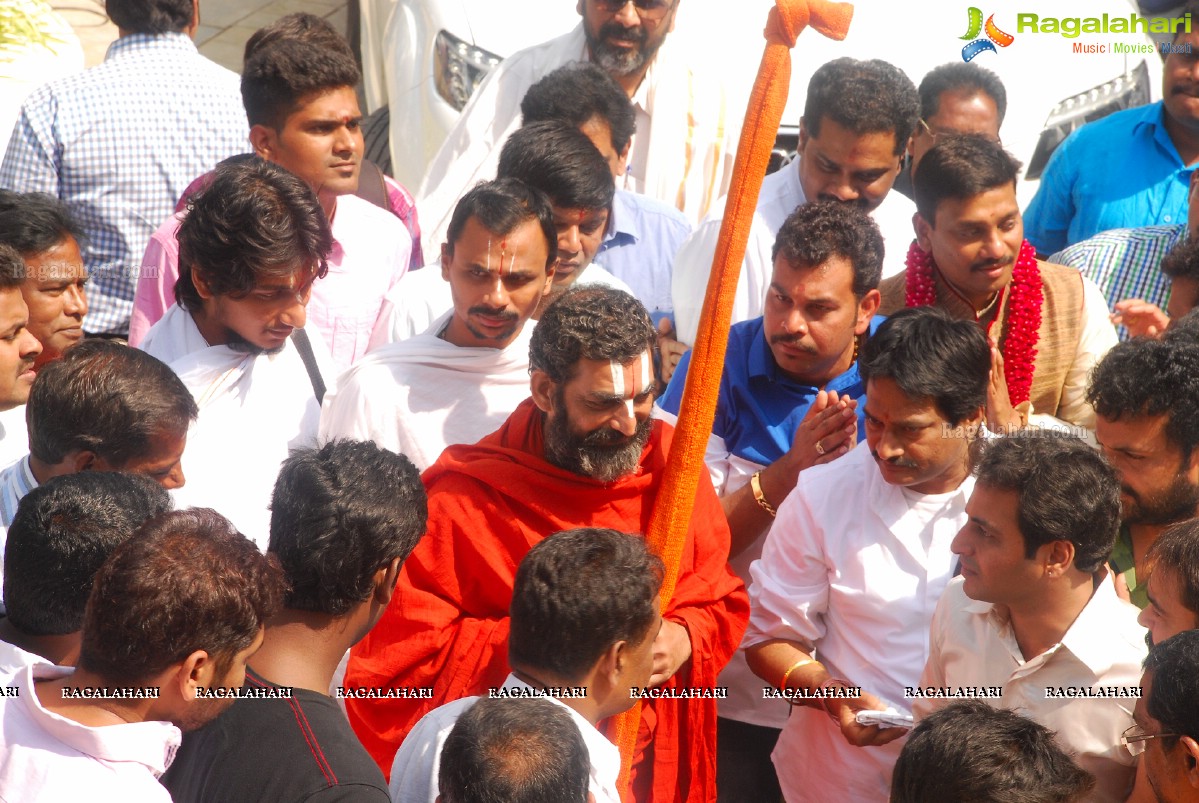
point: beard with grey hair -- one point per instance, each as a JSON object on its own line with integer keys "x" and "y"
{"x": 602, "y": 454}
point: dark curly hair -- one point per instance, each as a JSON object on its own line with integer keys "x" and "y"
{"x": 578, "y": 92}
{"x": 591, "y": 587}
{"x": 866, "y": 97}
{"x": 1143, "y": 377}
{"x": 254, "y": 221}
{"x": 592, "y": 321}
{"x": 818, "y": 231}
{"x": 338, "y": 514}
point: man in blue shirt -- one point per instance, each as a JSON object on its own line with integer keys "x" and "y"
{"x": 788, "y": 400}
{"x": 643, "y": 234}
{"x": 1128, "y": 169}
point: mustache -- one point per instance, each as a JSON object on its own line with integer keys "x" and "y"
{"x": 860, "y": 202}
{"x": 614, "y": 30}
{"x": 505, "y": 315}
{"x": 793, "y": 340}
{"x": 898, "y": 462}
{"x": 988, "y": 264}
{"x": 605, "y": 437}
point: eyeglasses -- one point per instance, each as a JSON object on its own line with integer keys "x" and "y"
{"x": 1134, "y": 739}
{"x": 646, "y": 9}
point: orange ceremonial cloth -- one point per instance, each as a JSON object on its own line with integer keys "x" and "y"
{"x": 447, "y": 624}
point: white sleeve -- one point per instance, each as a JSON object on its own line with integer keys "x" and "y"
{"x": 693, "y": 267}
{"x": 1096, "y": 338}
{"x": 416, "y": 765}
{"x": 789, "y": 586}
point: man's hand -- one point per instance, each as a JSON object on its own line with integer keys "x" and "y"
{"x": 1141, "y": 318}
{"x": 1001, "y": 416}
{"x": 672, "y": 649}
{"x": 671, "y": 350}
{"x": 827, "y": 431}
{"x": 865, "y": 735}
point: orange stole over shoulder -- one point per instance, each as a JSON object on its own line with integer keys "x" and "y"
{"x": 447, "y": 624}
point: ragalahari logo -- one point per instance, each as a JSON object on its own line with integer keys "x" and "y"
{"x": 994, "y": 35}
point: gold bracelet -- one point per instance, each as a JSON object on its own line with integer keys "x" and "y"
{"x": 755, "y": 485}
{"x": 792, "y": 668}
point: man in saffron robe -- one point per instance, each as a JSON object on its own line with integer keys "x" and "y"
{"x": 582, "y": 452}
{"x": 1048, "y": 324}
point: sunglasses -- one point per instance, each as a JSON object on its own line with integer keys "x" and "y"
{"x": 646, "y": 9}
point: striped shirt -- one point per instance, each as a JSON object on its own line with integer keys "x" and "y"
{"x": 1125, "y": 263}
{"x": 119, "y": 143}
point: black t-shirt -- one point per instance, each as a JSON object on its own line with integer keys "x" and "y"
{"x": 275, "y": 750}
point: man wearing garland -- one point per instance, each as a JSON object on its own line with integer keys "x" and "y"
{"x": 1047, "y": 324}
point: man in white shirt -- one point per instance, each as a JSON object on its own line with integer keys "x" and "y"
{"x": 858, "y": 118}
{"x": 298, "y": 91}
{"x": 584, "y": 617}
{"x": 560, "y": 161}
{"x": 460, "y": 379}
{"x": 525, "y": 751}
{"x": 63, "y": 533}
{"x": 859, "y": 554}
{"x": 172, "y": 618}
{"x": 1033, "y": 623}
{"x": 250, "y": 250}
{"x": 686, "y": 139}
{"x": 102, "y": 406}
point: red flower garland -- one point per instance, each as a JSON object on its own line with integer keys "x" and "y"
{"x": 1023, "y": 317}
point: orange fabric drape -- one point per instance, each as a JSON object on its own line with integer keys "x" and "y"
{"x": 672, "y": 513}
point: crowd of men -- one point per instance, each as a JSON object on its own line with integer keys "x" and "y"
{"x": 286, "y": 514}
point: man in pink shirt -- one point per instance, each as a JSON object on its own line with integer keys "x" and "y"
{"x": 304, "y": 116}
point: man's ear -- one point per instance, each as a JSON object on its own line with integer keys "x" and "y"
{"x": 1058, "y": 557}
{"x": 803, "y": 136}
{"x": 200, "y": 282}
{"x": 385, "y": 580}
{"x": 447, "y": 255}
{"x": 262, "y": 140}
{"x": 542, "y": 389}
{"x": 194, "y": 671}
{"x": 82, "y": 460}
{"x": 550, "y": 272}
{"x": 1191, "y": 756}
{"x": 867, "y": 308}
{"x": 923, "y": 232}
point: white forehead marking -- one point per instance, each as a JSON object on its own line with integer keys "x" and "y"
{"x": 489, "y": 255}
{"x": 645, "y": 371}
{"x": 617, "y": 377}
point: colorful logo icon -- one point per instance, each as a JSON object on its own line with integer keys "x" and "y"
{"x": 994, "y": 35}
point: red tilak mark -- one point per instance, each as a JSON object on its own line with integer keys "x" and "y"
{"x": 580, "y": 221}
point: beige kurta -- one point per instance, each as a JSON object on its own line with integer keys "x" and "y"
{"x": 1071, "y": 339}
